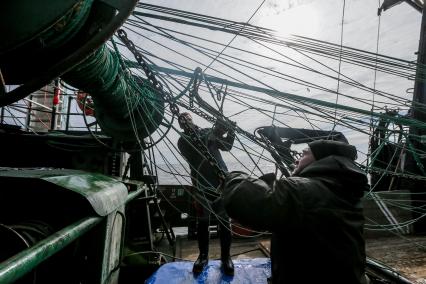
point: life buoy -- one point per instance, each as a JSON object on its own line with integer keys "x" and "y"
{"x": 57, "y": 96}
{"x": 89, "y": 108}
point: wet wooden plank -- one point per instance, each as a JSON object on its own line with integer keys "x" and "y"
{"x": 406, "y": 254}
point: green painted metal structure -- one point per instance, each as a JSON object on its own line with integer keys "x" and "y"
{"x": 123, "y": 104}
{"x": 102, "y": 219}
{"x": 25, "y": 261}
{"x": 58, "y": 37}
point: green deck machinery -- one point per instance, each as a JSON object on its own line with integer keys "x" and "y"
{"x": 67, "y": 225}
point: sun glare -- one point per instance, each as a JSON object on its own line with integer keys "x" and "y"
{"x": 301, "y": 20}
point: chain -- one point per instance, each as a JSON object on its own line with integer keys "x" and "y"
{"x": 252, "y": 137}
{"x": 200, "y": 145}
{"x": 211, "y": 119}
{"x": 219, "y": 93}
{"x": 122, "y": 35}
{"x": 279, "y": 162}
{"x": 175, "y": 109}
{"x": 173, "y": 106}
{"x": 194, "y": 89}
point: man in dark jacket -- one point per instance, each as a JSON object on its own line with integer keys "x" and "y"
{"x": 315, "y": 216}
{"x": 206, "y": 180}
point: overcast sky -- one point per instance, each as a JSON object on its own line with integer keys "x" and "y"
{"x": 320, "y": 19}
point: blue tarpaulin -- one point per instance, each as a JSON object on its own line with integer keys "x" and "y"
{"x": 247, "y": 271}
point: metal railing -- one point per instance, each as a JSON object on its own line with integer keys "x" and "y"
{"x": 20, "y": 264}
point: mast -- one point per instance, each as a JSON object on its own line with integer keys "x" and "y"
{"x": 415, "y": 161}
{"x": 415, "y": 164}
{"x": 418, "y": 112}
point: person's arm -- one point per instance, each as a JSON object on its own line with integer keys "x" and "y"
{"x": 183, "y": 147}
{"x": 283, "y": 148}
{"x": 263, "y": 204}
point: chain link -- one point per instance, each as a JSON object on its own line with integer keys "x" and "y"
{"x": 194, "y": 89}
{"x": 276, "y": 156}
{"x": 193, "y": 134}
{"x": 175, "y": 109}
{"x": 148, "y": 72}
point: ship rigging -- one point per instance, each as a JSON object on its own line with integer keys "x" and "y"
{"x": 90, "y": 96}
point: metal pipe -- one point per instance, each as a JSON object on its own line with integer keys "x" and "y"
{"x": 53, "y": 118}
{"x": 68, "y": 113}
{"x": 2, "y": 85}
{"x": 38, "y": 104}
{"x": 420, "y": 124}
{"x": 56, "y": 93}
{"x": 25, "y": 261}
{"x": 132, "y": 195}
{"x": 28, "y": 118}
{"x": 391, "y": 275}
{"x": 19, "y": 110}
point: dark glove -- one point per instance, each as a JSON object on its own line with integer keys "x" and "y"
{"x": 220, "y": 124}
{"x": 269, "y": 178}
{"x": 271, "y": 133}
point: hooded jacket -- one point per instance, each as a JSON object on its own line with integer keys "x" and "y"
{"x": 316, "y": 220}
{"x": 202, "y": 174}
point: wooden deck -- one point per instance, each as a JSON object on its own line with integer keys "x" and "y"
{"x": 405, "y": 254}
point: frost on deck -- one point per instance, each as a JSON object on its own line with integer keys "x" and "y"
{"x": 247, "y": 271}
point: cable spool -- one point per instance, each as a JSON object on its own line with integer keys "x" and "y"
{"x": 124, "y": 104}
{"x": 42, "y": 31}
{"x": 12, "y": 242}
{"x": 18, "y": 237}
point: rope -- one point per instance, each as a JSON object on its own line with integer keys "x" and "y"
{"x": 340, "y": 62}
{"x": 229, "y": 43}
{"x": 375, "y": 77}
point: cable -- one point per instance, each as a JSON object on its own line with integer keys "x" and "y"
{"x": 229, "y": 43}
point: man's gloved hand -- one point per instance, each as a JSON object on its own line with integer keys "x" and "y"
{"x": 225, "y": 126}
{"x": 220, "y": 124}
{"x": 271, "y": 133}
